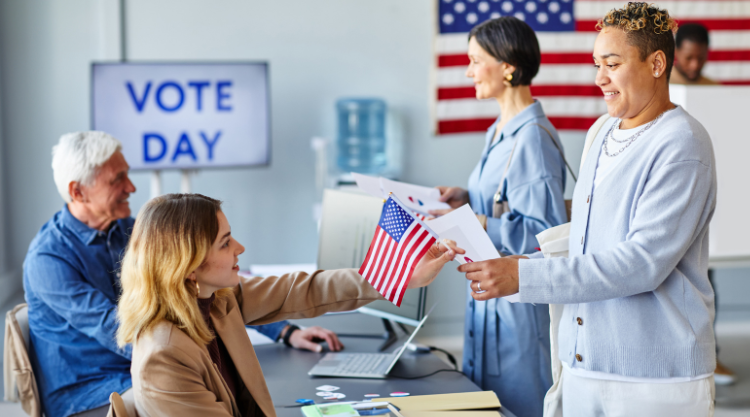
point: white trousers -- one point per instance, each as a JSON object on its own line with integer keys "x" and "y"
{"x": 583, "y": 397}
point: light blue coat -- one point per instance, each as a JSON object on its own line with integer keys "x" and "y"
{"x": 506, "y": 346}
{"x": 637, "y": 272}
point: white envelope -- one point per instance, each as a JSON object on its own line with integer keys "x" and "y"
{"x": 463, "y": 227}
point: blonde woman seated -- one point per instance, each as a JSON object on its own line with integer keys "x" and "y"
{"x": 184, "y": 308}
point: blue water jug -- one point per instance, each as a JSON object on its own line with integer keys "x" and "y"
{"x": 361, "y": 135}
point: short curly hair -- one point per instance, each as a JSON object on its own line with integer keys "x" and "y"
{"x": 647, "y": 27}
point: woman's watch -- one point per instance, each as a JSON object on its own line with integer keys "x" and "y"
{"x": 288, "y": 334}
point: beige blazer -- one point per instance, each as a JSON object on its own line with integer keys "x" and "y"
{"x": 174, "y": 376}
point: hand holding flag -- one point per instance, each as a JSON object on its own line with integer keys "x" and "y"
{"x": 432, "y": 263}
{"x": 398, "y": 249}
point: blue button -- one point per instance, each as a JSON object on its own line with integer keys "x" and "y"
{"x": 471, "y": 333}
{"x": 471, "y": 362}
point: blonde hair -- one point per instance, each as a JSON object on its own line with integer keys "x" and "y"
{"x": 648, "y": 28}
{"x": 171, "y": 238}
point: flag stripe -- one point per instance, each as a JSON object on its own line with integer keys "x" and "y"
{"x": 462, "y": 60}
{"x": 678, "y": 9}
{"x": 590, "y": 90}
{"x": 379, "y": 258}
{"x": 553, "y": 106}
{"x": 481, "y": 124}
{"x": 426, "y": 243}
{"x": 584, "y": 74}
{"x": 403, "y": 246}
{"x": 389, "y": 244}
{"x": 369, "y": 259}
{"x": 583, "y": 42}
{"x": 710, "y": 24}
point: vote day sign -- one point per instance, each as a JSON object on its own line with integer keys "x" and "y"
{"x": 184, "y": 116}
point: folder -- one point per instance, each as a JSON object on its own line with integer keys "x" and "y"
{"x": 463, "y": 413}
{"x": 445, "y": 402}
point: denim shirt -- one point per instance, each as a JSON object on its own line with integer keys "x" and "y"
{"x": 506, "y": 346}
{"x": 71, "y": 279}
{"x": 533, "y": 187}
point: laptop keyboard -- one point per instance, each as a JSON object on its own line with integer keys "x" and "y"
{"x": 362, "y": 364}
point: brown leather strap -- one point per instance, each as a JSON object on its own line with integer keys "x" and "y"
{"x": 500, "y": 206}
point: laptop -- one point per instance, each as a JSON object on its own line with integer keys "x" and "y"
{"x": 361, "y": 365}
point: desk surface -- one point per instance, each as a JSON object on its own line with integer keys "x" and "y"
{"x": 286, "y": 369}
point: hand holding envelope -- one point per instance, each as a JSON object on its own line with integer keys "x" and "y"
{"x": 461, "y": 226}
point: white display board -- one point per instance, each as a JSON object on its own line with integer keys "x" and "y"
{"x": 184, "y": 116}
{"x": 723, "y": 111}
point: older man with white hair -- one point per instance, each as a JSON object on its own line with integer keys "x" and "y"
{"x": 72, "y": 282}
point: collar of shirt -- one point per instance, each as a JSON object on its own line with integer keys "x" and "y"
{"x": 84, "y": 233}
{"x": 526, "y": 115}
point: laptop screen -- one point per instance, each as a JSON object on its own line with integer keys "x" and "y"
{"x": 403, "y": 347}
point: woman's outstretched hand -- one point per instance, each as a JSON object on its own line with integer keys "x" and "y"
{"x": 494, "y": 278}
{"x": 440, "y": 253}
{"x": 454, "y": 196}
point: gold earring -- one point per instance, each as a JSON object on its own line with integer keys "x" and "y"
{"x": 197, "y": 288}
{"x": 509, "y": 77}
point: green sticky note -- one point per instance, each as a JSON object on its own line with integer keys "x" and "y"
{"x": 332, "y": 410}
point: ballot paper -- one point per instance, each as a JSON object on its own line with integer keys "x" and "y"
{"x": 416, "y": 197}
{"x": 463, "y": 227}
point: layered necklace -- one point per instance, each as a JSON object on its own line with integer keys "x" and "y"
{"x": 628, "y": 141}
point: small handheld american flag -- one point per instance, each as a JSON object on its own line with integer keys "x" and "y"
{"x": 400, "y": 242}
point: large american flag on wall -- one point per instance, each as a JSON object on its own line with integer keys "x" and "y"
{"x": 566, "y": 33}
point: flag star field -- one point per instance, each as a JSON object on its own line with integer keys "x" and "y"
{"x": 395, "y": 220}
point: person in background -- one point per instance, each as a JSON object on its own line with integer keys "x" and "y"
{"x": 72, "y": 282}
{"x": 691, "y": 55}
{"x": 636, "y": 335}
{"x": 506, "y": 345}
{"x": 184, "y": 306}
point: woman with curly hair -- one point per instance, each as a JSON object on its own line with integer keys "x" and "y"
{"x": 636, "y": 336}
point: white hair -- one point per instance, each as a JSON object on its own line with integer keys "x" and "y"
{"x": 78, "y": 157}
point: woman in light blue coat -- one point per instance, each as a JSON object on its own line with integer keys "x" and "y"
{"x": 506, "y": 346}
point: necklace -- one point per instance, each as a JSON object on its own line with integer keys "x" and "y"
{"x": 629, "y": 141}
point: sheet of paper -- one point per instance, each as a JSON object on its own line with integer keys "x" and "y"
{"x": 416, "y": 197}
{"x": 368, "y": 184}
{"x": 463, "y": 227}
